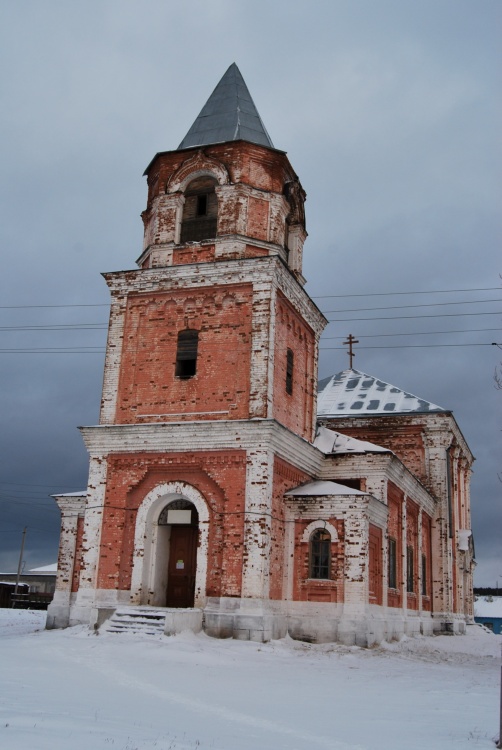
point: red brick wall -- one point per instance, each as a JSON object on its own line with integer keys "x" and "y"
{"x": 247, "y": 163}
{"x": 258, "y": 214}
{"x": 313, "y": 590}
{"x": 255, "y": 252}
{"x": 148, "y": 387}
{"x": 193, "y": 254}
{"x": 395, "y": 498}
{"x": 412, "y": 541}
{"x": 406, "y": 440}
{"x": 78, "y": 555}
{"x": 427, "y": 551}
{"x": 375, "y": 565}
{"x": 317, "y": 590}
{"x": 286, "y": 477}
{"x": 295, "y": 410}
{"x": 219, "y": 475}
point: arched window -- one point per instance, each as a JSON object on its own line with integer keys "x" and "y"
{"x": 320, "y": 554}
{"x": 410, "y": 571}
{"x": 290, "y": 359}
{"x": 200, "y": 212}
{"x": 186, "y": 353}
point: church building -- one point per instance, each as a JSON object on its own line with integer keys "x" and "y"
{"x": 225, "y": 493}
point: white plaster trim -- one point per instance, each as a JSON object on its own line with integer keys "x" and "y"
{"x": 257, "y": 525}
{"x": 145, "y": 538}
{"x": 198, "y": 165}
{"x": 186, "y": 413}
{"x": 93, "y": 524}
{"x": 320, "y": 524}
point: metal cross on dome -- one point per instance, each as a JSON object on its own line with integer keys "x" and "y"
{"x": 350, "y": 341}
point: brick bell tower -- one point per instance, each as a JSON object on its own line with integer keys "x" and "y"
{"x": 209, "y": 396}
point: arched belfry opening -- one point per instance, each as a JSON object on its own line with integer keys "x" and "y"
{"x": 200, "y": 211}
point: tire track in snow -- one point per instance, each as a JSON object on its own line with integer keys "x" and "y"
{"x": 212, "y": 709}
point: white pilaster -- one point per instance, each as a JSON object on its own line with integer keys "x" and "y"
{"x": 91, "y": 541}
{"x": 257, "y": 524}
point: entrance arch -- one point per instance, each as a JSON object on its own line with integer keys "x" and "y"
{"x": 152, "y": 544}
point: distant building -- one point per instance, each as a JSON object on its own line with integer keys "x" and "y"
{"x": 40, "y": 580}
{"x": 223, "y": 492}
{"x": 37, "y": 583}
{"x": 488, "y": 612}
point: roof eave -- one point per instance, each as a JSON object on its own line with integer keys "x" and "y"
{"x": 382, "y": 414}
{"x": 209, "y": 145}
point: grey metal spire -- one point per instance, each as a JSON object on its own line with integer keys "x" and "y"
{"x": 228, "y": 115}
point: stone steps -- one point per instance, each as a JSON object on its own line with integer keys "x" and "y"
{"x": 137, "y": 620}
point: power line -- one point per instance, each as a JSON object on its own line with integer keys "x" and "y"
{"x": 90, "y": 326}
{"x": 55, "y": 350}
{"x": 103, "y": 326}
{"x": 24, "y": 484}
{"x": 58, "y": 327}
{"x": 402, "y": 346}
{"x": 405, "y": 307}
{"x": 33, "y": 504}
{"x": 31, "y": 528}
{"x": 416, "y": 333}
{"x": 32, "y": 307}
{"x": 415, "y": 317}
{"x": 321, "y": 296}
{"x": 392, "y": 294}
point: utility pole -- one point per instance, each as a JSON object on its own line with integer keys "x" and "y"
{"x": 499, "y": 743}
{"x": 20, "y": 560}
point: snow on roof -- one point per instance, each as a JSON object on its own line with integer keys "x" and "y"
{"x": 323, "y": 488}
{"x": 353, "y": 392}
{"x": 488, "y": 606}
{"x": 82, "y": 493}
{"x": 330, "y": 441}
{"x": 11, "y": 583}
{"x": 52, "y": 568}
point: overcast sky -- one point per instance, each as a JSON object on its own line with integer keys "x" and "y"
{"x": 390, "y": 114}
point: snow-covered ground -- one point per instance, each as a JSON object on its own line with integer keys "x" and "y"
{"x": 70, "y": 689}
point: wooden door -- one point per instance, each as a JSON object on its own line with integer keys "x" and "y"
{"x": 182, "y": 565}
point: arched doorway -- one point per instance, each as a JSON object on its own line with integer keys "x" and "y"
{"x": 182, "y": 522}
{"x": 154, "y": 540}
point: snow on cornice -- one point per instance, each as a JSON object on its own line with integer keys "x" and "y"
{"x": 323, "y": 489}
{"x": 330, "y": 441}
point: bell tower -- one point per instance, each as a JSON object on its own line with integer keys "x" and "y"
{"x": 215, "y": 324}
{"x": 209, "y": 390}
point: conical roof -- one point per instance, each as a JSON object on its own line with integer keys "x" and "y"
{"x": 228, "y": 115}
{"x": 352, "y": 392}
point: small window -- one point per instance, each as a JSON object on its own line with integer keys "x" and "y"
{"x": 410, "y": 573}
{"x": 424, "y": 575}
{"x": 186, "y": 354}
{"x": 201, "y": 205}
{"x": 320, "y": 554}
{"x": 289, "y": 371}
{"x": 392, "y": 564}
